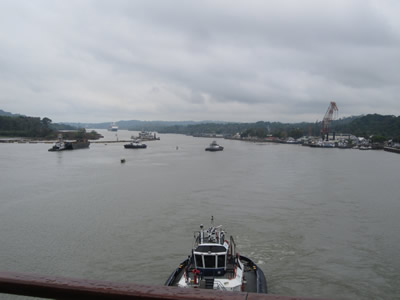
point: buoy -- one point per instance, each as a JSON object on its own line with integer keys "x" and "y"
{"x": 122, "y": 160}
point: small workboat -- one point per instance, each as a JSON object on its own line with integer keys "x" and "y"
{"x": 214, "y": 147}
{"x": 136, "y": 144}
{"x": 62, "y": 145}
{"x": 215, "y": 264}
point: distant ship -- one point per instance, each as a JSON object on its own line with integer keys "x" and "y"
{"x": 113, "y": 127}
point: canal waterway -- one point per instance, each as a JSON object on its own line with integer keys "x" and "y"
{"x": 319, "y": 222}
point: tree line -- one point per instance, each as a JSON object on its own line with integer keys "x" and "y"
{"x": 25, "y": 126}
{"x": 380, "y": 126}
{"x": 35, "y": 127}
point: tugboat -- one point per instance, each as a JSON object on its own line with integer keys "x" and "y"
{"x": 214, "y": 147}
{"x": 62, "y": 145}
{"x": 136, "y": 144}
{"x": 215, "y": 264}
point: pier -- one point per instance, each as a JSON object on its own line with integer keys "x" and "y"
{"x": 391, "y": 149}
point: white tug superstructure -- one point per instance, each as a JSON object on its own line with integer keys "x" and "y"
{"x": 215, "y": 264}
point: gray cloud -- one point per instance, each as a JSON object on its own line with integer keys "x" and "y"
{"x": 179, "y": 60}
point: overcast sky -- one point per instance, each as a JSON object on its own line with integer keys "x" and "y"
{"x": 95, "y": 61}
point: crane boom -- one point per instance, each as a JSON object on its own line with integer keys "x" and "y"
{"x": 331, "y": 114}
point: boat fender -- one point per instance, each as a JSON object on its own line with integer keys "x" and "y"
{"x": 195, "y": 274}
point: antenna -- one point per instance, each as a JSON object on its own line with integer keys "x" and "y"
{"x": 212, "y": 220}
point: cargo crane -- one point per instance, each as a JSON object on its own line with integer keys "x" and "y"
{"x": 331, "y": 114}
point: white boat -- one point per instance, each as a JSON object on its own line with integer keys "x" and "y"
{"x": 328, "y": 144}
{"x": 214, "y": 147}
{"x": 113, "y": 127}
{"x": 215, "y": 264}
{"x": 146, "y": 136}
{"x": 365, "y": 147}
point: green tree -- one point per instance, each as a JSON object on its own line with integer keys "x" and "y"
{"x": 295, "y": 133}
{"x": 80, "y": 134}
{"x": 46, "y": 122}
{"x": 378, "y": 139}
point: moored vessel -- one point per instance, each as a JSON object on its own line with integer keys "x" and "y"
{"x": 215, "y": 264}
{"x": 62, "y": 145}
{"x": 146, "y": 136}
{"x": 214, "y": 147}
{"x": 136, "y": 144}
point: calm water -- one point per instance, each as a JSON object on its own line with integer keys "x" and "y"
{"x": 320, "y": 222}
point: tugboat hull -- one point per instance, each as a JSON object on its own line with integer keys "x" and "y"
{"x": 255, "y": 278}
{"x": 215, "y": 264}
{"x": 131, "y": 146}
{"x": 215, "y": 149}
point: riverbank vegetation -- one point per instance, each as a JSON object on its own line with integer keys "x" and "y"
{"x": 34, "y": 127}
{"x": 375, "y": 126}
{"x": 378, "y": 126}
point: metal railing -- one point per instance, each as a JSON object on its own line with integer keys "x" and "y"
{"x": 220, "y": 286}
{"x": 51, "y": 287}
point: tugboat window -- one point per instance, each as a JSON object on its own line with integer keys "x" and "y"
{"x": 199, "y": 261}
{"x": 221, "y": 261}
{"x": 207, "y": 249}
{"x": 209, "y": 261}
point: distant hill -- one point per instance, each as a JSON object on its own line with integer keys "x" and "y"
{"x": 140, "y": 125}
{"x": 16, "y": 125}
{"x": 54, "y": 126}
{"x": 363, "y": 126}
{"x": 373, "y": 124}
{"x": 8, "y": 114}
{"x": 220, "y": 127}
{"x": 262, "y": 128}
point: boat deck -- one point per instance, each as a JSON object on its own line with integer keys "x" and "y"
{"x": 250, "y": 275}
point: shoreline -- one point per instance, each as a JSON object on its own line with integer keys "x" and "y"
{"x": 28, "y": 141}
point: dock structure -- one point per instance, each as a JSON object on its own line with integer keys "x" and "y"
{"x": 392, "y": 149}
{"x": 50, "y": 287}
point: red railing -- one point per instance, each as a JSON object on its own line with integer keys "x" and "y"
{"x": 68, "y": 288}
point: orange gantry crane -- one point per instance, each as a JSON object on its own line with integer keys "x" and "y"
{"x": 331, "y": 114}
